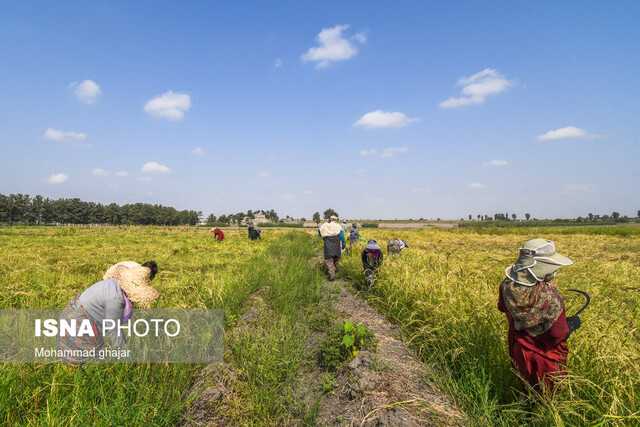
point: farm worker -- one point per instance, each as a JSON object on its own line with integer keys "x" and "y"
{"x": 354, "y": 235}
{"x": 395, "y": 246}
{"x": 371, "y": 260}
{"x": 344, "y": 226}
{"x": 253, "y": 233}
{"x": 333, "y": 236}
{"x": 217, "y": 234}
{"x": 538, "y": 324}
{"x": 112, "y": 298}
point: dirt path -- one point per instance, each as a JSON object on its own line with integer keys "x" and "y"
{"x": 390, "y": 388}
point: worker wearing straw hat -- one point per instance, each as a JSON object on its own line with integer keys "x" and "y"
{"x": 538, "y": 324}
{"x": 112, "y": 298}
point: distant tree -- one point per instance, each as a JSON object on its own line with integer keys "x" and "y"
{"x": 638, "y": 214}
{"x": 470, "y": 217}
{"x": 250, "y": 214}
{"x": 591, "y": 216}
{"x": 615, "y": 215}
{"x": 211, "y": 219}
{"x": 479, "y": 217}
{"x": 327, "y": 214}
{"x": 316, "y": 218}
{"x": 303, "y": 219}
{"x": 513, "y": 216}
{"x": 527, "y": 215}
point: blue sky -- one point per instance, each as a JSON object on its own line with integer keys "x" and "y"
{"x": 376, "y": 109}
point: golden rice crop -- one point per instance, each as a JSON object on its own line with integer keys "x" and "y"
{"x": 443, "y": 291}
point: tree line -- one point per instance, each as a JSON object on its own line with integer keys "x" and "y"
{"x": 21, "y": 208}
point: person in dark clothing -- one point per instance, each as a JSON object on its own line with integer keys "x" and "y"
{"x": 371, "y": 260}
{"x": 333, "y": 236}
{"x": 354, "y": 235}
{"x": 253, "y": 233}
{"x": 217, "y": 234}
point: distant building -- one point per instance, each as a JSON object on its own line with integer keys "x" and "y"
{"x": 258, "y": 218}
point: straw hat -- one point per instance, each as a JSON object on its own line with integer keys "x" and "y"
{"x": 134, "y": 279}
{"x": 538, "y": 258}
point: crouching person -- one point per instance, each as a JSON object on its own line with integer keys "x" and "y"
{"x": 395, "y": 246}
{"x": 110, "y": 299}
{"x": 371, "y": 260}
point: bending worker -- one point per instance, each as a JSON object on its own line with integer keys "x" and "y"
{"x": 371, "y": 260}
{"x": 112, "y": 298}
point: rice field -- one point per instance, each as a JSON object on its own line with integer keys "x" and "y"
{"x": 45, "y": 267}
{"x": 442, "y": 291}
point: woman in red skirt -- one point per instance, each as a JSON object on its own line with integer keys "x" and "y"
{"x": 538, "y": 324}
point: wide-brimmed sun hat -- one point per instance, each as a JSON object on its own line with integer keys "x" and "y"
{"x": 538, "y": 258}
{"x": 372, "y": 245}
{"x": 134, "y": 279}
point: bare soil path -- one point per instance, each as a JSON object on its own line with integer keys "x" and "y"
{"x": 387, "y": 388}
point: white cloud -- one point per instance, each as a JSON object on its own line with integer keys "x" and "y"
{"x": 87, "y": 91}
{"x": 477, "y": 87}
{"x": 121, "y": 174}
{"x": 277, "y": 63}
{"x": 198, "y": 151}
{"x": 58, "y": 135}
{"x": 368, "y": 152}
{"x": 144, "y": 179}
{"x": 495, "y": 162}
{"x": 100, "y": 172}
{"x": 154, "y": 167}
{"x": 264, "y": 174}
{"x": 272, "y": 156}
{"x": 420, "y": 189}
{"x": 170, "y": 105}
{"x": 288, "y": 196}
{"x": 149, "y": 193}
{"x": 361, "y": 37}
{"x": 392, "y": 151}
{"x": 332, "y": 47}
{"x": 308, "y": 192}
{"x": 382, "y": 119}
{"x": 57, "y": 178}
{"x": 476, "y": 186}
{"x": 360, "y": 171}
{"x": 579, "y": 188}
{"x": 567, "y": 132}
